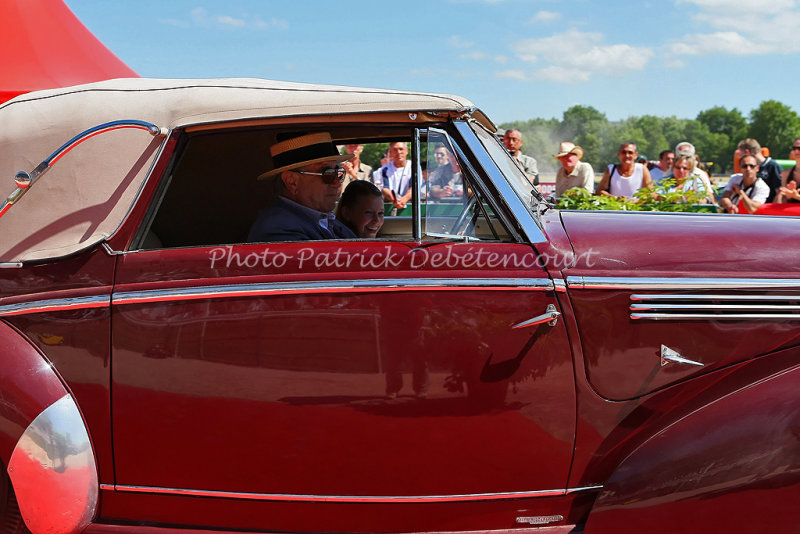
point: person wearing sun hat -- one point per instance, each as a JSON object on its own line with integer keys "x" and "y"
{"x": 309, "y": 177}
{"x": 573, "y": 171}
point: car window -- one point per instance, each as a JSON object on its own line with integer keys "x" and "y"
{"x": 453, "y": 205}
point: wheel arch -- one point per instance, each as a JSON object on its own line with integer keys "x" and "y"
{"x": 730, "y": 464}
{"x": 44, "y": 441}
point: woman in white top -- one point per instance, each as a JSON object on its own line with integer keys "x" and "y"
{"x": 625, "y": 179}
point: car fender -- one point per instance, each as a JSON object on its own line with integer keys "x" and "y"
{"x": 732, "y": 465}
{"x": 43, "y": 441}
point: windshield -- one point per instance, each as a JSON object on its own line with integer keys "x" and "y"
{"x": 516, "y": 178}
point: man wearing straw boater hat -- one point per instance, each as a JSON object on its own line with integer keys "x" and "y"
{"x": 310, "y": 182}
{"x": 573, "y": 171}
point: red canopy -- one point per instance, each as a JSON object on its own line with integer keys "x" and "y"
{"x": 46, "y": 46}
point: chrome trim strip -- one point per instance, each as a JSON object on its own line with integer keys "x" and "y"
{"x": 610, "y": 282}
{"x": 759, "y": 297}
{"x": 50, "y": 305}
{"x": 332, "y": 286}
{"x": 285, "y": 288}
{"x": 584, "y": 488}
{"x": 350, "y": 498}
{"x": 54, "y": 473}
{"x": 559, "y": 285}
{"x": 716, "y": 317}
{"x": 11, "y": 265}
{"x": 712, "y": 306}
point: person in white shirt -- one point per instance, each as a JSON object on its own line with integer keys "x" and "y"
{"x": 625, "y": 179}
{"x": 745, "y": 192}
{"x": 664, "y": 166}
{"x": 394, "y": 178}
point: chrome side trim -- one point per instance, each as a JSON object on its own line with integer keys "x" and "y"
{"x": 560, "y": 285}
{"x": 73, "y": 303}
{"x": 700, "y": 296}
{"x": 753, "y": 307}
{"x": 53, "y": 471}
{"x": 669, "y": 355}
{"x": 11, "y": 265}
{"x": 609, "y": 282}
{"x": 332, "y": 286}
{"x": 349, "y": 498}
{"x": 716, "y": 317}
{"x": 283, "y": 288}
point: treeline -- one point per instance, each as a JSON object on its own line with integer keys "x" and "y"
{"x": 715, "y": 134}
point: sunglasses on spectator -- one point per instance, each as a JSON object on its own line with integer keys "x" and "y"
{"x": 627, "y": 152}
{"x": 749, "y": 165}
{"x": 330, "y": 176}
{"x": 796, "y": 148}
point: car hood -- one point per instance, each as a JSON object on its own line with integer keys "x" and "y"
{"x": 642, "y": 244}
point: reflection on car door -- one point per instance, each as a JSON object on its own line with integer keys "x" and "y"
{"x": 342, "y": 372}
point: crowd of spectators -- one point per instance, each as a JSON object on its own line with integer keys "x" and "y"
{"x": 759, "y": 178}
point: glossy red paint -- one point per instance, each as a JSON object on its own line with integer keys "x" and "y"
{"x": 731, "y": 465}
{"x": 76, "y": 342}
{"x": 28, "y": 385}
{"x": 297, "y": 384}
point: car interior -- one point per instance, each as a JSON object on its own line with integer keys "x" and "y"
{"x": 210, "y": 194}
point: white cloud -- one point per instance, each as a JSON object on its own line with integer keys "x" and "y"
{"x": 736, "y": 30}
{"x": 511, "y": 74}
{"x": 500, "y": 59}
{"x": 545, "y": 16}
{"x": 575, "y": 56}
{"x": 199, "y": 17}
{"x": 458, "y": 42}
{"x": 473, "y": 55}
{"x": 226, "y": 20}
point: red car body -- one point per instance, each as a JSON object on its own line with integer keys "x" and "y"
{"x": 496, "y": 366}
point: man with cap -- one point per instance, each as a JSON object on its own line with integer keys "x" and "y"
{"x": 573, "y": 172}
{"x": 310, "y": 182}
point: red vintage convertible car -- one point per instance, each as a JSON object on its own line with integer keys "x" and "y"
{"x": 485, "y": 364}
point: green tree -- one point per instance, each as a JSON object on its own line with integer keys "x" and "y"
{"x": 728, "y": 127}
{"x": 775, "y": 126}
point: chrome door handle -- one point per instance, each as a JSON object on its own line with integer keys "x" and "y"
{"x": 550, "y": 316}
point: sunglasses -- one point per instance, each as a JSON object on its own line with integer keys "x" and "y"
{"x": 796, "y": 148}
{"x": 681, "y": 168}
{"x": 749, "y": 165}
{"x": 627, "y": 152}
{"x": 330, "y": 176}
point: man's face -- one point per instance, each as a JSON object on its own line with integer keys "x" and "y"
{"x": 398, "y": 153}
{"x": 309, "y": 189}
{"x": 513, "y": 141}
{"x": 440, "y": 154}
{"x": 627, "y": 154}
{"x": 665, "y": 162}
{"x": 353, "y": 149}
{"x": 569, "y": 161}
{"x": 749, "y": 167}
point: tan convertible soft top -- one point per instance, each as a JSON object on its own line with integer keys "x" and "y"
{"x": 86, "y": 195}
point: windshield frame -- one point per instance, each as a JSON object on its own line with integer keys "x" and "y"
{"x": 512, "y": 185}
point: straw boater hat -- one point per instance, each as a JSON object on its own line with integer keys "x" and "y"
{"x": 569, "y": 148}
{"x": 301, "y": 151}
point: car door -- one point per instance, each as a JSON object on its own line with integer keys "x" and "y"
{"x": 403, "y": 384}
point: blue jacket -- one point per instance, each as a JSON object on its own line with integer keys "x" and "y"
{"x": 285, "y": 221}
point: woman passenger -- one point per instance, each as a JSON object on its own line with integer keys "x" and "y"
{"x": 361, "y": 208}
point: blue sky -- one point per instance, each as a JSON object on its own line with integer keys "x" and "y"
{"x": 515, "y": 59}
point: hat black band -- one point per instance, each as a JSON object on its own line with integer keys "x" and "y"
{"x": 306, "y": 153}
